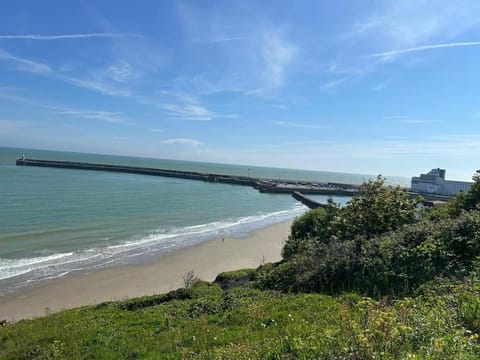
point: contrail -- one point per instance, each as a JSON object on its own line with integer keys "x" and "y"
{"x": 423, "y": 48}
{"x": 66, "y": 36}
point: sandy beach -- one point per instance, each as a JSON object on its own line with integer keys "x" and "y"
{"x": 166, "y": 273}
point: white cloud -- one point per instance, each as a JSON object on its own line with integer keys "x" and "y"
{"x": 380, "y": 86}
{"x": 277, "y": 54}
{"x": 392, "y": 53}
{"x": 409, "y": 120}
{"x": 98, "y": 85}
{"x": 101, "y": 115}
{"x": 253, "y": 55}
{"x": 392, "y": 28}
{"x": 182, "y": 141}
{"x": 299, "y": 125}
{"x": 214, "y": 40}
{"x": 188, "y": 111}
{"x": 408, "y": 23}
{"x": 25, "y": 64}
{"x": 332, "y": 86}
{"x": 122, "y": 71}
{"x": 417, "y": 121}
{"x": 187, "y": 107}
{"x": 66, "y": 36}
{"x": 112, "y": 82}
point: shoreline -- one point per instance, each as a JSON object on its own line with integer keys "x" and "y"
{"x": 206, "y": 260}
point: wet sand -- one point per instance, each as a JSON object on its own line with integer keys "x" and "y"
{"x": 166, "y": 273}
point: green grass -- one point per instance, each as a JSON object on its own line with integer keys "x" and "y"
{"x": 206, "y": 322}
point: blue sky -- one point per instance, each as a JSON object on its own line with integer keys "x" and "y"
{"x": 390, "y": 87}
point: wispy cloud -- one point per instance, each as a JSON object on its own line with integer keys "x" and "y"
{"x": 333, "y": 85}
{"x": 66, "y": 36}
{"x": 25, "y": 64}
{"x": 278, "y": 53}
{"x": 417, "y": 121}
{"x": 409, "y": 120}
{"x": 194, "y": 112}
{"x": 184, "y": 106}
{"x": 394, "y": 28}
{"x": 299, "y": 125}
{"x": 101, "y": 115}
{"x": 254, "y": 57}
{"x": 391, "y": 53}
{"x": 410, "y": 23}
{"x": 122, "y": 71}
{"x": 98, "y": 85}
{"x": 215, "y": 40}
{"x": 114, "y": 82}
{"x": 188, "y": 112}
{"x": 380, "y": 86}
{"x": 157, "y": 130}
{"x": 182, "y": 141}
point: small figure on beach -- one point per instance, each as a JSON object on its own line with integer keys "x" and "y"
{"x": 223, "y": 239}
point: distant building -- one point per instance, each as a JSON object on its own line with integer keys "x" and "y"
{"x": 434, "y": 182}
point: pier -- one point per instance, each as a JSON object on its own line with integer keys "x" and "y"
{"x": 298, "y": 189}
{"x": 311, "y": 204}
{"x": 273, "y": 186}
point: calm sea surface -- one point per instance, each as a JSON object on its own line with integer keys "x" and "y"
{"x": 57, "y": 221}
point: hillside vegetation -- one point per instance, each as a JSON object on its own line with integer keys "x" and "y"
{"x": 375, "y": 279}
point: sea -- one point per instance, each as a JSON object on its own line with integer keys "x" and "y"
{"x": 55, "y": 222}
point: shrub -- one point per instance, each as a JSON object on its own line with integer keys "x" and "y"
{"x": 466, "y": 201}
{"x": 376, "y": 210}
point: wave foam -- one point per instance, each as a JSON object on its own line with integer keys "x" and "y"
{"x": 18, "y": 272}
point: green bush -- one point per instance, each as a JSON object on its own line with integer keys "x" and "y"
{"x": 236, "y": 278}
{"x": 376, "y": 210}
{"x": 395, "y": 263}
{"x": 469, "y": 200}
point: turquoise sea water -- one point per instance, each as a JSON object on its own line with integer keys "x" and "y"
{"x": 57, "y": 221}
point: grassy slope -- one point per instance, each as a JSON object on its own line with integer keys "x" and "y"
{"x": 205, "y": 321}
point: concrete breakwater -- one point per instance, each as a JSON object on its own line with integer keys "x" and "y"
{"x": 277, "y": 186}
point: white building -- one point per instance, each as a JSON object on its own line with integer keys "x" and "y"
{"x": 434, "y": 182}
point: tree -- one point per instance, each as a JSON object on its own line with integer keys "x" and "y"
{"x": 378, "y": 209}
{"x": 375, "y": 210}
{"x": 469, "y": 200}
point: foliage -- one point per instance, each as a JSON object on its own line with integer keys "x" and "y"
{"x": 394, "y": 263}
{"x": 189, "y": 279}
{"x": 376, "y": 210}
{"x": 318, "y": 223}
{"x": 336, "y": 249}
{"x": 469, "y": 200}
{"x": 235, "y": 278}
{"x": 245, "y": 323}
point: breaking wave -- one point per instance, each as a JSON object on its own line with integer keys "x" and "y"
{"x": 15, "y": 273}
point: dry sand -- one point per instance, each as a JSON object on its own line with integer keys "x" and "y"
{"x": 166, "y": 273}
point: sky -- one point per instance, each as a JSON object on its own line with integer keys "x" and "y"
{"x": 360, "y": 86}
